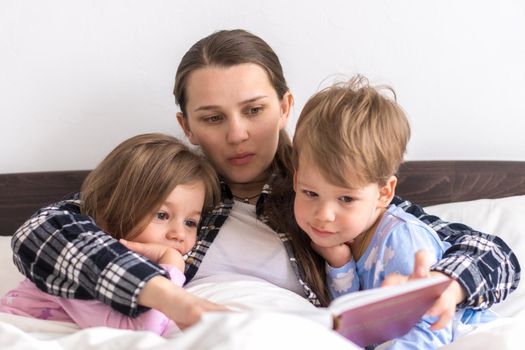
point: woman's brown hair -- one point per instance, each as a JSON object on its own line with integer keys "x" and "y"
{"x": 122, "y": 193}
{"x": 227, "y": 48}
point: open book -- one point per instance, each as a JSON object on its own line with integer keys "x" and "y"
{"x": 376, "y": 315}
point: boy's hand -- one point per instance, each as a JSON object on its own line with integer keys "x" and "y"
{"x": 158, "y": 253}
{"x": 335, "y": 256}
{"x": 444, "y": 307}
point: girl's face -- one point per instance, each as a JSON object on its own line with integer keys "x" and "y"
{"x": 235, "y": 115}
{"x": 174, "y": 224}
{"x": 333, "y": 215}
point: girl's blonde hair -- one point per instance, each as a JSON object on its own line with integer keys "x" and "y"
{"x": 122, "y": 193}
{"x": 353, "y": 133}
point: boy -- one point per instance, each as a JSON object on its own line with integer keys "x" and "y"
{"x": 349, "y": 142}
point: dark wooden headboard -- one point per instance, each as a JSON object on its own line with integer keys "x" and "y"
{"x": 423, "y": 182}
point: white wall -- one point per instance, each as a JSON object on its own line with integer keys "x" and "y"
{"x": 78, "y": 77}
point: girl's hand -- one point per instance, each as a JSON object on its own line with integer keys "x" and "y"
{"x": 445, "y": 306}
{"x": 335, "y": 256}
{"x": 183, "y": 308}
{"x": 158, "y": 253}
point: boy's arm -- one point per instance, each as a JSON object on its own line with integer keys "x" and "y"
{"x": 342, "y": 280}
{"x": 395, "y": 256}
{"x": 420, "y": 337}
{"x": 65, "y": 254}
{"x": 483, "y": 264}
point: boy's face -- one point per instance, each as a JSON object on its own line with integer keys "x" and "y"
{"x": 333, "y": 215}
{"x": 175, "y": 223}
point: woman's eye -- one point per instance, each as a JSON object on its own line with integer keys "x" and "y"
{"x": 254, "y": 110}
{"x": 162, "y": 215}
{"x": 346, "y": 199}
{"x": 213, "y": 119}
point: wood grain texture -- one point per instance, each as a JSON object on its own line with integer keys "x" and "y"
{"x": 436, "y": 182}
{"x": 22, "y": 194}
{"x": 422, "y": 182}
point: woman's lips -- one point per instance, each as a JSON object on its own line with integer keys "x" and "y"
{"x": 241, "y": 159}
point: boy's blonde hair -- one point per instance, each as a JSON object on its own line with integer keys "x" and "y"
{"x": 122, "y": 193}
{"x": 353, "y": 133}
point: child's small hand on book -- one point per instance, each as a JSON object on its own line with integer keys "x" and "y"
{"x": 377, "y": 315}
{"x": 445, "y": 306}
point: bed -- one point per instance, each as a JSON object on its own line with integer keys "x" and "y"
{"x": 487, "y": 195}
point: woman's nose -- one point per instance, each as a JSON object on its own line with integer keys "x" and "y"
{"x": 237, "y": 130}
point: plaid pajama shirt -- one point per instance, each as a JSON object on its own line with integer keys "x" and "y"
{"x": 64, "y": 253}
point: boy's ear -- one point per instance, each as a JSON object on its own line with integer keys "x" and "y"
{"x": 183, "y": 122}
{"x": 387, "y": 191}
{"x": 286, "y": 107}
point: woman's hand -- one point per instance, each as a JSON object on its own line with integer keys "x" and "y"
{"x": 444, "y": 307}
{"x": 158, "y": 253}
{"x": 336, "y": 256}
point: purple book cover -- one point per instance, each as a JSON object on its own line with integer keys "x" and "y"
{"x": 389, "y": 318}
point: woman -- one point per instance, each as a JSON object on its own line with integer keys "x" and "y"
{"x": 235, "y": 104}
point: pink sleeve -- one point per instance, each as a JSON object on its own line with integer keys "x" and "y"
{"x": 92, "y": 313}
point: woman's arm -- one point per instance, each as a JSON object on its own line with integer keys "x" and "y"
{"x": 482, "y": 264}
{"x": 91, "y": 313}
{"x": 160, "y": 294}
{"x": 65, "y": 254}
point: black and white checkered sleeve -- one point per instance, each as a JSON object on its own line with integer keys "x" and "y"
{"x": 65, "y": 254}
{"x": 483, "y": 264}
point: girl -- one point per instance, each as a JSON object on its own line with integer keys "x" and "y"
{"x": 149, "y": 189}
{"x": 235, "y": 104}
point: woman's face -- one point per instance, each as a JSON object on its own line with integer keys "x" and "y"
{"x": 235, "y": 115}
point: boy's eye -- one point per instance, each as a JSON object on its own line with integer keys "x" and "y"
{"x": 346, "y": 199}
{"x": 162, "y": 215}
{"x": 310, "y": 193}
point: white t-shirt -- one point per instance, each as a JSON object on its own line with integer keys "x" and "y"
{"x": 247, "y": 249}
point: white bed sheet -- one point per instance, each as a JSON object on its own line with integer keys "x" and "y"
{"x": 261, "y": 322}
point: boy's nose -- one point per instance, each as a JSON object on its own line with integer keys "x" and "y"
{"x": 325, "y": 213}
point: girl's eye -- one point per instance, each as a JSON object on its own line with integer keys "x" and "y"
{"x": 309, "y": 194}
{"x": 253, "y": 110}
{"x": 346, "y": 199}
{"x": 162, "y": 216}
{"x": 213, "y": 119}
{"x": 190, "y": 223}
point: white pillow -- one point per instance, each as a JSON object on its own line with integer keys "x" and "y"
{"x": 9, "y": 275}
{"x": 504, "y": 217}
